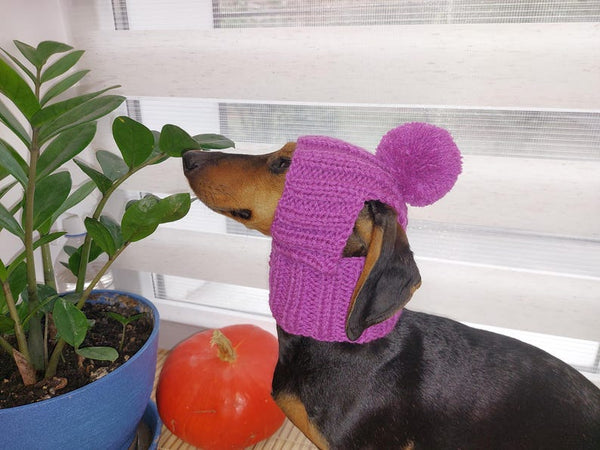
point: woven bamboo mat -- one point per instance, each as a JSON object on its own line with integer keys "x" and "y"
{"x": 288, "y": 437}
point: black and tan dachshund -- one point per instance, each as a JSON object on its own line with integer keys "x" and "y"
{"x": 432, "y": 383}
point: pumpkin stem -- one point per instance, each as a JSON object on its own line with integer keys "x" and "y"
{"x": 226, "y": 352}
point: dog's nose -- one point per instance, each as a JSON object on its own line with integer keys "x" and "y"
{"x": 193, "y": 159}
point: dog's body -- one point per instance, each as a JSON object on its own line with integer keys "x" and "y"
{"x": 436, "y": 384}
{"x": 432, "y": 383}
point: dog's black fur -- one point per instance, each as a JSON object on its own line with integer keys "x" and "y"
{"x": 439, "y": 384}
{"x": 432, "y": 383}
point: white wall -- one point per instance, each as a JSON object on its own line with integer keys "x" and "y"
{"x": 29, "y": 21}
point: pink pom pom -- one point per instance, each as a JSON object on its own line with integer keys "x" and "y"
{"x": 425, "y": 158}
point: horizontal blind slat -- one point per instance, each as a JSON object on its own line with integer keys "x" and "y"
{"x": 216, "y": 257}
{"x": 492, "y": 65}
{"x": 542, "y": 196}
{"x": 546, "y": 303}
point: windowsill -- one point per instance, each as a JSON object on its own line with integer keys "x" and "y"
{"x": 171, "y": 333}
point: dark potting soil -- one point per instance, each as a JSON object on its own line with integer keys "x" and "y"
{"x": 74, "y": 371}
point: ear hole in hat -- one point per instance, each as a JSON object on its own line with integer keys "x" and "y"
{"x": 389, "y": 277}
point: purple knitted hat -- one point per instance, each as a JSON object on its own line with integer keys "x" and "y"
{"x": 329, "y": 180}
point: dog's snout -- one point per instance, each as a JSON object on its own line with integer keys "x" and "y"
{"x": 192, "y": 160}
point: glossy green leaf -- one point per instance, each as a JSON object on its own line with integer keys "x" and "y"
{"x": 98, "y": 353}
{"x": 174, "y": 141}
{"x": 55, "y": 110}
{"x": 50, "y": 193}
{"x": 30, "y": 53}
{"x": 62, "y": 65}
{"x": 64, "y": 148}
{"x": 47, "y": 238}
{"x": 213, "y": 141}
{"x": 9, "y": 223}
{"x": 112, "y": 165}
{"x": 141, "y": 218}
{"x": 17, "y": 281}
{"x": 17, "y": 90}
{"x": 122, "y": 319}
{"x": 38, "y": 56}
{"x": 75, "y": 257}
{"x": 114, "y": 229}
{"x": 135, "y": 141}
{"x": 86, "y": 112}
{"x": 62, "y": 86}
{"x": 7, "y": 325}
{"x": 16, "y": 156}
{"x": 21, "y": 66}
{"x": 71, "y": 323}
{"x": 74, "y": 261}
{"x": 47, "y": 296}
{"x": 12, "y": 162}
{"x": 174, "y": 207}
{"x": 100, "y": 180}
{"x": 14, "y": 125}
{"x": 46, "y": 49}
{"x": 101, "y": 235}
{"x": 69, "y": 250}
{"x": 156, "y": 151}
{"x": 73, "y": 199}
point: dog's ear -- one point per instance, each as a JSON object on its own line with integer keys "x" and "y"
{"x": 389, "y": 277}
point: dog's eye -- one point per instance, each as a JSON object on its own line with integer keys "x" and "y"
{"x": 280, "y": 165}
{"x": 244, "y": 214}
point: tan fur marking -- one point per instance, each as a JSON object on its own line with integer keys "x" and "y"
{"x": 296, "y": 412}
{"x": 358, "y": 242}
{"x": 243, "y": 184}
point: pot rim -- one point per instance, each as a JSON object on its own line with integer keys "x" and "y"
{"x": 108, "y": 377}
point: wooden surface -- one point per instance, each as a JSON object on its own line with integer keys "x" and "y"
{"x": 288, "y": 437}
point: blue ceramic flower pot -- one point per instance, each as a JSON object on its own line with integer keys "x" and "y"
{"x": 101, "y": 415}
{"x": 152, "y": 420}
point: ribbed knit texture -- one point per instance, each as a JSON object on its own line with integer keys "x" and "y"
{"x": 329, "y": 180}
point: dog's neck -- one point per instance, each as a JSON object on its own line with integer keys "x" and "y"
{"x": 310, "y": 302}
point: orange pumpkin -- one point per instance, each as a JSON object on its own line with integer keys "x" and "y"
{"x": 214, "y": 390}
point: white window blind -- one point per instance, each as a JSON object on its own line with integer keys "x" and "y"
{"x": 515, "y": 245}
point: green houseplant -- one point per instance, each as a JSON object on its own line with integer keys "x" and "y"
{"x": 50, "y": 126}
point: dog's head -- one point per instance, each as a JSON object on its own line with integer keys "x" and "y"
{"x": 247, "y": 188}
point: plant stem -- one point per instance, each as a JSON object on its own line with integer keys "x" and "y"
{"x": 100, "y": 274}
{"x": 87, "y": 243}
{"x": 14, "y": 315}
{"x": 34, "y": 154}
{"x": 49, "y": 279}
{"x": 120, "y": 181}
{"x": 122, "y": 337}
{"x": 225, "y": 350}
{"x": 83, "y": 262}
{"x": 6, "y": 346}
{"x": 53, "y": 361}
{"x": 36, "y": 351}
{"x": 35, "y": 344}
